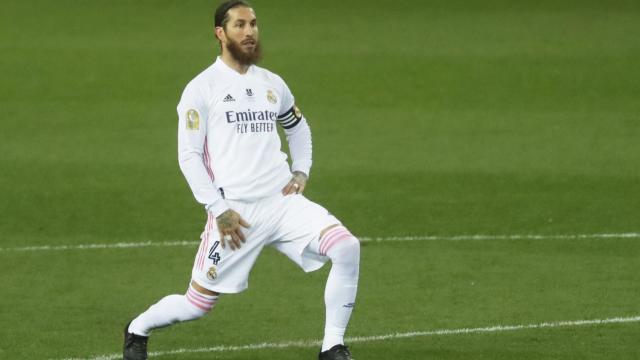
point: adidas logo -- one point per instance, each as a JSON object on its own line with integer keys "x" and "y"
{"x": 228, "y": 98}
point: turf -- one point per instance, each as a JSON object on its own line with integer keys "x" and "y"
{"x": 429, "y": 117}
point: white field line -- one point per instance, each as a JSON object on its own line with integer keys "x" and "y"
{"x": 119, "y": 245}
{"x": 364, "y": 339}
{"x": 128, "y": 245}
{"x": 501, "y": 237}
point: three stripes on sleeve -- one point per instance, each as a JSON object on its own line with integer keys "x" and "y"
{"x": 290, "y": 118}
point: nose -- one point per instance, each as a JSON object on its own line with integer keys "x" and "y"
{"x": 249, "y": 31}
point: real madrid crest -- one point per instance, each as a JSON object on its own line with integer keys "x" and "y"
{"x": 297, "y": 112}
{"x": 271, "y": 97}
{"x": 212, "y": 274}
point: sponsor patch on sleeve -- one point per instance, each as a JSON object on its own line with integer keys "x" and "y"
{"x": 193, "y": 120}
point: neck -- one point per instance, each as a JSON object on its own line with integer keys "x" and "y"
{"x": 233, "y": 63}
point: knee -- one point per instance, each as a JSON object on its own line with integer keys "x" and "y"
{"x": 346, "y": 251}
{"x": 336, "y": 241}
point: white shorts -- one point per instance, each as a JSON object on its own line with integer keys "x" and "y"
{"x": 291, "y": 224}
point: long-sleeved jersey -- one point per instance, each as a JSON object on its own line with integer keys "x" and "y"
{"x": 228, "y": 145}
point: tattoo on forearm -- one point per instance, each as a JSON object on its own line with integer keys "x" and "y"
{"x": 300, "y": 177}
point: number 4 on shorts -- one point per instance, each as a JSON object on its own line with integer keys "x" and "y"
{"x": 213, "y": 254}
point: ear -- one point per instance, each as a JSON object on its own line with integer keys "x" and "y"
{"x": 220, "y": 34}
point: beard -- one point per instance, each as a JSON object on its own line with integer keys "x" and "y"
{"x": 242, "y": 56}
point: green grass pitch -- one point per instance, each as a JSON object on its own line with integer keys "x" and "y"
{"x": 437, "y": 118}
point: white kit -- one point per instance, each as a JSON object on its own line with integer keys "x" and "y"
{"x": 229, "y": 151}
{"x": 229, "y": 120}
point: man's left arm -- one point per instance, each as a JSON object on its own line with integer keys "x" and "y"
{"x": 300, "y": 148}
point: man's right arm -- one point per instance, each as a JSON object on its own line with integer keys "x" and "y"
{"x": 192, "y": 151}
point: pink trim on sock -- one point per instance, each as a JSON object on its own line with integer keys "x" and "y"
{"x": 198, "y": 300}
{"x": 202, "y": 297}
{"x": 328, "y": 239}
{"x": 196, "y": 304}
{"x": 334, "y": 242}
{"x": 332, "y": 232}
{"x": 199, "y": 304}
{"x": 331, "y": 237}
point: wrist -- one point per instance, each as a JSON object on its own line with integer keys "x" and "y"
{"x": 217, "y": 208}
{"x": 301, "y": 173}
{"x": 301, "y": 166}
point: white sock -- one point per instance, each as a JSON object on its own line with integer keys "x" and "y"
{"x": 172, "y": 309}
{"x": 342, "y": 284}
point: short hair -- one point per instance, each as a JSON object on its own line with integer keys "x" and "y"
{"x": 222, "y": 11}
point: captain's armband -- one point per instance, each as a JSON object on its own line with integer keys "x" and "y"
{"x": 290, "y": 118}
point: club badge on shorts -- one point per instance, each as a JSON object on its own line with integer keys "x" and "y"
{"x": 193, "y": 120}
{"x": 212, "y": 274}
{"x": 271, "y": 97}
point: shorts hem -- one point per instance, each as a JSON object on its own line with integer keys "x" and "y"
{"x": 313, "y": 267}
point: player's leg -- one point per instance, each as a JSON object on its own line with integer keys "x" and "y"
{"x": 215, "y": 271}
{"x": 339, "y": 245}
{"x": 194, "y": 304}
{"x": 310, "y": 236}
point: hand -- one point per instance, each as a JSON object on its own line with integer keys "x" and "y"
{"x": 229, "y": 227}
{"x": 296, "y": 185}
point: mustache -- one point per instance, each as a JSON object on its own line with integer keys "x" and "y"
{"x": 248, "y": 56}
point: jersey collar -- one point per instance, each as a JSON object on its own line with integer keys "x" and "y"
{"x": 227, "y": 69}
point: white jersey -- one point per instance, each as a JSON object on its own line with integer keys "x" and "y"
{"x": 228, "y": 145}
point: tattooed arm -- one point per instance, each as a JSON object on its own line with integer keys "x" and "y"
{"x": 297, "y": 183}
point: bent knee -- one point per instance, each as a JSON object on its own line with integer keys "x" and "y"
{"x": 333, "y": 236}
{"x": 340, "y": 246}
{"x": 348, "y": 250}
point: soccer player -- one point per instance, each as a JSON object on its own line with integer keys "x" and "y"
{"x": 229, "y": 152}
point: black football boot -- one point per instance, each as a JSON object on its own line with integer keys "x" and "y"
{"x": 135, "y": 346}
{"x": 338, "y": 352}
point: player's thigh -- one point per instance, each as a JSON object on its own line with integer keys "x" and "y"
{"x": 224, "y": 270}
{"x": 298, "y": 232}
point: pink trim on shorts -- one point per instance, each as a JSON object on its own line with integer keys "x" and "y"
{"x": 200, "y": 251}
{"x": 204, "y": 244}
{"x": 332, "y": 237}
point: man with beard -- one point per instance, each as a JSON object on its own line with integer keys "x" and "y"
{"x": 229, "y": 152}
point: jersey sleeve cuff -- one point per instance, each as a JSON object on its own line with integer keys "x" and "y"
{"x": 302, "y": 165}
{"x": 217, "y": 208}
